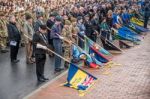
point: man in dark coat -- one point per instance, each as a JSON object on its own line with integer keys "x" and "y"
{"x": 50, "y": 22}
{"x": 57, "y": 42}
{"x": 41, "y": 43}
{"x": 89, "y": 28}
{"x": 14, "y": 37}
{"x": 38, "y": 22}
{"x": 36, "y": 26}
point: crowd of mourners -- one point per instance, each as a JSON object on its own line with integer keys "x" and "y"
{"x": 42, "y": 25}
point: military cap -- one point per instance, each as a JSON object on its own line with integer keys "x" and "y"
{"x": 52, "y": 15}
{"x": 43, "y": 27}
{"x": 55, "y": 13}
{"x": 79, "y": 18}
{"x": 28, "y": 16}
{"x": 73, "y": 19}
{"x": 39, "y": 14}
{"x": 67, "y": 22}
{"x": 16, "y": 13}
{"x": 87, "y": 15}
{"x": 58, "y": 18}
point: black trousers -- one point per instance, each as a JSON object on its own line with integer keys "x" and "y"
{"x": 33, "y": 52}
{"x": 146, "y": 18}
{"x": 14, "y": 51}
{"x": 40, "y": 62}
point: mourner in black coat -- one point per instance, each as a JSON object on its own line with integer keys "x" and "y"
{"x": 14, "y": 37}
{"x": 41, "y": 44}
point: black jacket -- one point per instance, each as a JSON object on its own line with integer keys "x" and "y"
{"x": 38, "y": 38}
{"x": 89, "y": 29}
{"x": 147, "y": 10}
{"x": 13, "y": 32}
{"x": 49, "y": 24}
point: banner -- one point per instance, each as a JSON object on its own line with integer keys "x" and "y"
{"x": 95, "y": 49}
{"x": 79, "y": 79}
{"x": 89, "y": 59}
{"x": 89, "y": 43}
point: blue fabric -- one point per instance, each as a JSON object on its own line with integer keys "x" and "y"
{"x": 140, "y": 28}
{"x": 125, "y": 17}
{"x": 124, "y": 32}
{"x": 77, "y": 52}
{"x": 115, "y": 19}
{"x": 89, "y": 43}
{"x": 72, "y": 70}
{"x": 56, "y": 31}
{"x": 98, "y": 57}
{"x": 58, "y": 49}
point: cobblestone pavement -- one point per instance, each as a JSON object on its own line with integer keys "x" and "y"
{"x": 129, "y": 81}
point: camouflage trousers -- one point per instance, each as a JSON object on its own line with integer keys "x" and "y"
{"x": 29, "y": 50}
{"x": 67, "y": 52}
{"x": 3, "y": 43}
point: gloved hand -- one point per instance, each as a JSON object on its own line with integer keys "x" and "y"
{"x": 41, "y": 46}
{"x": 61, "y": 37}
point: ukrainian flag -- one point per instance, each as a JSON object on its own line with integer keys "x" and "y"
{"x": 79, "y": 79}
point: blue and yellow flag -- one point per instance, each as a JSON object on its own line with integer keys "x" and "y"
{"x": 79, "y": 79}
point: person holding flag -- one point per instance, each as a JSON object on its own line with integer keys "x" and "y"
{"x": 57, "y": 42}
{"x": 66, "y": 33}
{"x": 41, "y": 44}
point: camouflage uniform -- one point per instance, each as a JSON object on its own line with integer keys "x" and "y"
{"x": 74, "y": 30}
{"x": 66, "y": 33}
{"x": 20, "y": 24}
{"x": 3, "y": 34}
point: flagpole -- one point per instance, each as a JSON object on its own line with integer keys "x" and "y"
{"x": 51, "y": 51}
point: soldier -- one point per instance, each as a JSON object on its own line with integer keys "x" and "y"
{"x": 50, "y": 22}
{"x": 21, "y": 24}
{"x": 3, "y": 33}
{"x": 66, "y": 33}
{"x": 74, "y": 30}
{"x": 28, "y": 32}
{"x": 39, "y": 21}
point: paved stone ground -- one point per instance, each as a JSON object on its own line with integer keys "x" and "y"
{"x": 129, "y": 81}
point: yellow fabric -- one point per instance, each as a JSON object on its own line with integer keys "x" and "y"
{"x": 78, "y": 78}
{"x": 137, "y": 21}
